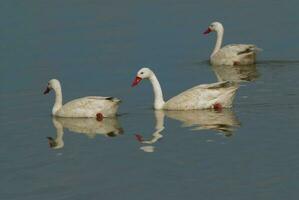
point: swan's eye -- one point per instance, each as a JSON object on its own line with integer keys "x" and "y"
{"x": 141, "y": 72}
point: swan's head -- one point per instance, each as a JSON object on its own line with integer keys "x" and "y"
{"x": 215, "y": 26}
{"x": 52, "y": 84}
{"x": 143, "y": 73}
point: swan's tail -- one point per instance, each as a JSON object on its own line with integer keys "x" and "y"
{"x": 257, "y": 49}
{"x": 113, "y": 99}
{"x": 228, "y": 96}
{"x": 249, "y": 50}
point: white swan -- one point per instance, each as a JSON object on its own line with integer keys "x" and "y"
{"x": 216, "y": 95}
{"x": 92, "y": 106}
{"x": 233, "y": 54}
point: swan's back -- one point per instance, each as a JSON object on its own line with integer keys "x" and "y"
{"x": 203, "y": 96}
{"x": 235, "y": 54}
{"x": 90, "y": 107}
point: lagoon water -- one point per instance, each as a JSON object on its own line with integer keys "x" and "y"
{"x": 96, "y": 48}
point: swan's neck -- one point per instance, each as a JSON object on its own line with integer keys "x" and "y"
{"x": 159, "y": 102}
{"x": 58, "y": 99}
{"x": 218, "y": 41}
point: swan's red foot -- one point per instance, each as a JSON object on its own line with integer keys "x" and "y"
{"x": 217, "y": 107}
{"x": 100, "y": 117}
{"x": 139, "y": 138}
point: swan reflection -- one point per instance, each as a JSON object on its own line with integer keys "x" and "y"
{"x": 90, "y": 126}
{"x": 159, "y": 115}
{"x": 236, "y": 73}
{"x": 224, "y": 122}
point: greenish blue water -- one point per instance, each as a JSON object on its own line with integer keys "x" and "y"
{"x": 96, "y": 48}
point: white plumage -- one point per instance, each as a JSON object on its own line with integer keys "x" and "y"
{"x": 233, "y": 54}
{"x": 204, "y": 96}
{"x": 91, "y": 106}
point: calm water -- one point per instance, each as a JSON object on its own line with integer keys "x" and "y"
{"x": 95, "y": 48}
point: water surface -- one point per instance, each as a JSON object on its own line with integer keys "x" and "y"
{"x": 96, "y": 48}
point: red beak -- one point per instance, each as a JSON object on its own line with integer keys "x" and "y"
{"x": 47, "y": 90}
{"x": 207, "y": 31}
{"x": 136, "y": 81}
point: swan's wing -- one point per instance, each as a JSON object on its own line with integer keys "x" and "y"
{"x": 202, "y": 96}
{"x": 113, "y": 99}
{"x": 235, "y": 54}
{"x": 91, "y": 102}
{"x": 222, "y": 84}
{"x": 240, "y": 49}
{"x": 89, "y": 106}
